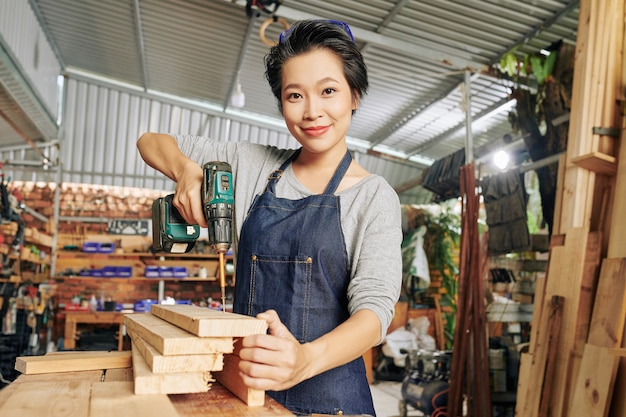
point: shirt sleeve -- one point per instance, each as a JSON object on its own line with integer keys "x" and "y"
{"x": 377, "y": 258}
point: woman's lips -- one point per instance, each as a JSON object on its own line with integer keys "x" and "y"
{"x": 316, "y": 131}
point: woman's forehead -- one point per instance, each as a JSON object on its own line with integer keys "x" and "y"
{"x": 313, "y": 66}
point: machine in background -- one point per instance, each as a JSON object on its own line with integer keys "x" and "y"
{"x": 426, "y": 383}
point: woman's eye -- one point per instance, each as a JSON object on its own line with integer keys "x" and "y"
{"x": 329, "y": 91}
{"x": 293, "y": 96}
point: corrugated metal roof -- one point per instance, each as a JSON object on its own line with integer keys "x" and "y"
{"x": 417, "y": 52}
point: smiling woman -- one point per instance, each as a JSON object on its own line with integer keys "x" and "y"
{"x": 310, "y": 226}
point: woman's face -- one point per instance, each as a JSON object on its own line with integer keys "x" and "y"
{"x": 317, "y": 100}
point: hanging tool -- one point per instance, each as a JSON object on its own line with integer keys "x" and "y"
{"x": 171, "y": 233}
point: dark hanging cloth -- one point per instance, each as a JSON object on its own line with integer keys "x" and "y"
{"x": 505, "y": 205}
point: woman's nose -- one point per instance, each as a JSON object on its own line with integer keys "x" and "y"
{"x": 312, "y": 109}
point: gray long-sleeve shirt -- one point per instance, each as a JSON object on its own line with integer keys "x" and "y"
{"x": 370, "y": 217}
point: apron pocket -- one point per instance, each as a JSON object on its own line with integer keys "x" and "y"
{"x": 283, "y": 283}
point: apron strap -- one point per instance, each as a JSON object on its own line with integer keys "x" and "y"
{"x": 339, "y": 173}
{"x": 276, "y": 174}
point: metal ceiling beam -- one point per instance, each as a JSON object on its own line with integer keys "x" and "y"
{"x": 141, "y": 45}
{"x": 445, "y": 135}
{"x": 389, "y": 43}
{"x": 34, "y": 5}
{"x": 23, "y": 135}
{"x": 414, "y": 110}
{"x": 240, "y": 58}
{"x": 21, "y": 92}
{"x": 537, "y": 29}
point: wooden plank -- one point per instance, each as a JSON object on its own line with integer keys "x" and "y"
{"x": 594, "y": 387}
{"x": 118, "y": 375}
{"x": 523, "y": 381}
{"x": 231, "y": 379}
{"x": 578, "y": 292}
{"x": 219, "y": 402}
{"x": 90, "y": 376}
{"x": 607, "y": 321}
{"x": 169, "y": 339}
{"x": 540, "y": 290}
{"x": 116, "y": 399}
{"x": 72, "y": 361}
{"x": 147, "y": 382}
{"x": 554, "y": 324}
{"x": 618, "y": 352}
{"x": 539, "y": 354}
{"x": 205, "y": 322}
{"x": 176, "y": 363}
{"x": 50, "y": 398}
{"x": 597, "y": 162}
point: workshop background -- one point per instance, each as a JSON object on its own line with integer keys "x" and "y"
{"x": 451, "y": 83}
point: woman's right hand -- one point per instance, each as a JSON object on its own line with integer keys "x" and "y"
{"x": 187, "y": 197}
{"x": 161, "y": 152}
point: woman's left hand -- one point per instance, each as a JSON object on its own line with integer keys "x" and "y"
{"x": 274, "y": 361}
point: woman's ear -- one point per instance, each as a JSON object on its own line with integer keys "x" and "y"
{"x": 356, "y": 100}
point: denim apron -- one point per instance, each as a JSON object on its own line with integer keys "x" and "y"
{"x": 292, "y": 258}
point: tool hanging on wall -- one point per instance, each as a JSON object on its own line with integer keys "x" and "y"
{"x": 254, "y": 7}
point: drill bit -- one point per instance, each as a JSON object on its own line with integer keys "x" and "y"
{"x": 222, "y": 268}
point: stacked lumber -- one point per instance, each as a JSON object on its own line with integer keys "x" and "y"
{"x": 180, "y": 349}
{"x": 595, "y": 117}
{"x": 561, "y": 318}
{"x": 572, "y": 369}
{"x": 94, "y": 384}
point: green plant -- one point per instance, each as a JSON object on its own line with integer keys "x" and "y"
{"x": 540, "y": 66}
{"x": 442, "y": 249}
{"x": 441, "y": 243}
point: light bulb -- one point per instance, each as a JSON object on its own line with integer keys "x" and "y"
{"x": 501, "y": 159}
{"x": 238, "y": 99}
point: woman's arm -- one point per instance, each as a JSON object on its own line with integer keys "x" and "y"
{"x": 161, "y": 152}
{"x": 277, "y": 361}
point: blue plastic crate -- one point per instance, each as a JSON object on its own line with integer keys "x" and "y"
{"x": 106, "y": 247}
{"x": 179, "y": 272}
{"x": 96, "y": 273}
{"x": 151, "y": 272}
{"x": 166, "y": 272}
{"x": 124, "y": 271}
{"x": 144, "y": 305}
{"x": 91, "y": 247}
{"x": 109, "y": 271}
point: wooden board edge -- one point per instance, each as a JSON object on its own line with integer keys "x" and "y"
{"x": 231, "y": 380}
{"x": 74, "y": 361}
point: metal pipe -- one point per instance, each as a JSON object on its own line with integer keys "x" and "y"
{"x": 469, "y": 140}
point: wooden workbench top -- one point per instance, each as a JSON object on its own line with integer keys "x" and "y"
{"x": 110, "y": 393}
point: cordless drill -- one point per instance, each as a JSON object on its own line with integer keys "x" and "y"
{"x": 170, "y": 232}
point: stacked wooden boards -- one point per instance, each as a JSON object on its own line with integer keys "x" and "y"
{"x": 179, "y": 349}
{"x": 100, "y": 384}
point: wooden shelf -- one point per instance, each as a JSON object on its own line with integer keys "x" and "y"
{"x": 134, "y": 278}
{"x": 81, "y": 254}
{"x": 597, "y": 162}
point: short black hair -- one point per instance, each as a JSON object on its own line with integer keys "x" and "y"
{"x": 307, "y": 35}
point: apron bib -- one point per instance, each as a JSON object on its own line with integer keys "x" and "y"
{"x": 292, "y": 258}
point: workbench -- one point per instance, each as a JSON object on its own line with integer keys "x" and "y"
{"x": 72, "y": 318}
{"x": 95, "y": 393}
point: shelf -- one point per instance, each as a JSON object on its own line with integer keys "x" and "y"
{"x": 81, "y": 254}
{"x": 597, "y": 162}
{"x": 133, "y": 279}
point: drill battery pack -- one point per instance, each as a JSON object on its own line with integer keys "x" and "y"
{"x": 170, "y": 232}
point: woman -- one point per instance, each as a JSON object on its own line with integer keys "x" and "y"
{"x": 318, "y": 254}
